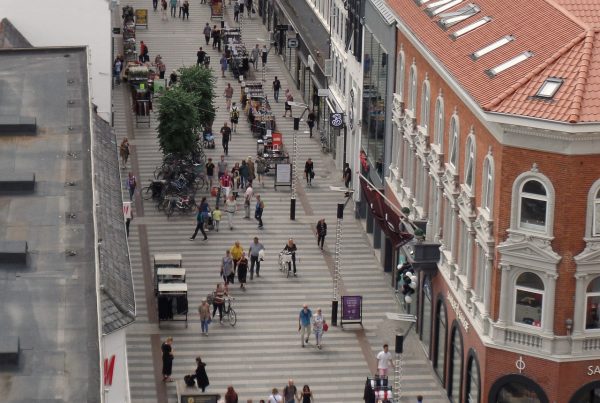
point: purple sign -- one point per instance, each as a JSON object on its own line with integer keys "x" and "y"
{"x": 352, "y": 308}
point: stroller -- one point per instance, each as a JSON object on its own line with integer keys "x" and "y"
{"x": 208, "y": 140}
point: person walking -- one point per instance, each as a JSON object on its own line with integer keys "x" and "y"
{"x": 241, "y": 3}
{"x": 319, "y": 325}
{"x": 226, "y": 136}
{"x": 310, "y": 121}
{"x": 226, "y": 181}
{"x": 207, "y": 31}
{"x": 255, "y": 253}
{"x": 214, "y": 33}
{"x": 347, "y": 175}
{"x": 180, "y": 7}
{"x": 218, "y": 301}
{"x": 263, "y": 55}
{"x": 201, "y": 216}
{"x": 167, "y": 359}
{"x": 304, "y": 324}
{"x": 275, "y": 397}
{"x": 419, "y": 399}
{"x": 258, "y": 211}
{"x": 163, "y": 10}
{"x": 155, "y": 4}
{"x": 261, "y": 168}
{"x": 288, "y": 98}
{"x": 242, "y": 270}
{"x": 321, "y": 232}
{"x": 289, "y": 392}
{"x": 234, "y": 115}
{"x": 173, "y": 8}
{"x": 221, "y": 167}
{"x": 236, "y": 12}
{"x": 200, "y": 56}
{"x": 131, "y": 185}
{"x": 143, "y": 57}
{"x": 186, "y": 10}
{"x": 247, "y": 200}
{"x": 124, "y": 151}
{"x": 231, "y": 395}
{"x": 384, "y": 361}
{"x": 236, "y": 254}
{"x": 244, "y": 175}
{"x": 216, "y": 216}
{"x": 210, "y": 172}
{"x": 117, "y": 67}
{"x": 201, "y": 376}
{"x": 309, "y": 171}
{"x": 204, "y": 312}
{"x": 162, "y": 68}
{"x": 306, "y": 396}
{"x": 228, "y": 94}
{"x": 249, "y": 8}
{"x": 251, "y": 170}
{"x": 290, "y": 248}
{"x": 255, "y": 55}
{"x": 223, "y": 63}
{"x": 230, "y": 208}
{"x": 276, "y": 88}
{"x": 227, "y": 270}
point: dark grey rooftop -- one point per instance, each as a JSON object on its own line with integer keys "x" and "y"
{"x": 10, "y": 37}
{"x": 117, "y": 298}
{"x": 51, "y": 302}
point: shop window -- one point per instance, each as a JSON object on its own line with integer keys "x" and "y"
{"x": 456, "y": 363}
{"x": 453, "y": 150}
{"x": 592, "y": 298}
{"x": 438, "y": 128}
{"x": 487, "y": 199}
{"x": 412, "y": 87}
{"x": 425, "y": 96}
{"x": 529, "y": 300}
{"x": 426, "y": 316}
{"x": 470, "y": 162}
{"x": 440, "y": 339}
{"x": 533, "y": 204}
{"x": 516, "y": 388}
{"x": 473, "y": 383}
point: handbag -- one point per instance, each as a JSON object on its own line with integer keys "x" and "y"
{"x": 325, "y": 327}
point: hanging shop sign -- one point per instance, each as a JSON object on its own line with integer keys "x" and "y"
{"x": 351, "y": 309}
{"x": 292, "y": 43}
{"x": 336, "y": 120}
{"x": 141, "y": 17}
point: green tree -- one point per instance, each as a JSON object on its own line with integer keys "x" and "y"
{"x": 200, "y": 82}
{"x": 178, "y": 121}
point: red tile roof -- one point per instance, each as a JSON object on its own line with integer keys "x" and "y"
{"x": 561, "y": 35}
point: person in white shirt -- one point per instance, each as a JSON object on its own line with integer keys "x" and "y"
{"x": 384, "y": 361}
{"x": 275, "y": 397}
{"x": 248, "y": 200}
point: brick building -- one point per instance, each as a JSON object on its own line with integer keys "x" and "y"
{"x": 496, "y": 158}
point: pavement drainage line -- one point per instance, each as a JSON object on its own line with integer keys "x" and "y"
{"x": 148, "y": 276}
{"x": 161, "y": 388}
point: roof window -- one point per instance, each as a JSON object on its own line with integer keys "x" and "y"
{"x": 470, "y": 27}
{"x": 449, "y": 19}
{"x": 493, "y": 46}
{"x": 440, "y": 6}
{"x": 549, "y": 87}
{"x": 421, "y": 2}
{"x": 493, "y": 72}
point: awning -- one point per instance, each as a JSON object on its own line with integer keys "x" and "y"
{"x": 388, "y": 219}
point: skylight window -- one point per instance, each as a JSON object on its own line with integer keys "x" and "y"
{"x": 440, "y": 6}
{"x": 549, "y": 87}
{"x": 421, "y": 2}
{"x": 449, "y": 19}
{"x": 493, "y": 72}
{"x": 470, "y": 27}
{"x": 493, "y": 46}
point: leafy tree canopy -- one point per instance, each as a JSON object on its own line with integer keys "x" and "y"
{"x": 200, "y": 82}
{"x": 178, "y": 121}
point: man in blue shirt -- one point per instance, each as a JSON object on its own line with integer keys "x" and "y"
{"x": 304, "y": 320}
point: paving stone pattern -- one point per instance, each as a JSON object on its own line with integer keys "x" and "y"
{"x": 263, "y": 350}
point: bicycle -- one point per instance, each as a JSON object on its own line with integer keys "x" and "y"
{"x": 285, "y": 262}
{"x": 229, "y": 311}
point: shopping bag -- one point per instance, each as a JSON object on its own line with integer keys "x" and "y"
{"x": 325, "y": 327}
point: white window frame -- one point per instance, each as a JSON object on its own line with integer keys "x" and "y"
{"x": 516, "y": 203}
{"x": 588, "y": 295}
{"x": 591, "y": 231}
{"x": 532, "y": 196}
{"x": 400, "y": 74}
{"x": 470, "y": 161}
{"x": 487, "y": 194}
{"x": 425, "y": 105}
{"x": 412, "y": 87}
{"x": 453, "y": 135}
{"x": 534, "y": 291}
{"x": 439, "y": 122}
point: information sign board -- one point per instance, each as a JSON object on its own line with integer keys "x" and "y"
{"x": 351, "y": 309}
{"x": 283, "y": 175}
{"x": 141, "y": 17}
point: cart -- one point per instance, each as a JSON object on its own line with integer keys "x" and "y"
{"x": 272, "y": 150}
{"x": 172, "y": 300}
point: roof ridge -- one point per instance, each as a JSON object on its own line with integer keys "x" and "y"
{"x": 569, "y": 14}
{"x": 581, "y": 81}
{"x": 513, "y": 88}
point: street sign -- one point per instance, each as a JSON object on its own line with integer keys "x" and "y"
{"x": 292, "y": 43}
{"x": 116, "y": 30}
{"x": 281, "y": 28}
{"x": 351, "y": 309}
{"x": 336, "y": 120}
{"x": 323, "y": 92}
{"x": 328, "y": 67}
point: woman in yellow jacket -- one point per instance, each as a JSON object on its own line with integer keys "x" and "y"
{"x": 236, "y": 254}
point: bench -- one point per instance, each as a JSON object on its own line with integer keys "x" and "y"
{"x": 13, "y": 252}
{"x": 10, "y": 349}
{"x": 11, "y": 125}
{"x": 17, "y": 182}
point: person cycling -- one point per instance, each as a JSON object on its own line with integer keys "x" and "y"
{"x": 290, "y": 247}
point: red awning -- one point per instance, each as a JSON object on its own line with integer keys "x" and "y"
{"x": 386, "y": 216}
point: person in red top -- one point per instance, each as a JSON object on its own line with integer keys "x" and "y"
{"x": 226, "y": 181}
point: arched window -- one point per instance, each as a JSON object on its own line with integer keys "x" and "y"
{"x": 596, "y": 214}
{"x": 470, "y": 162}
{"x": 439, "y": 122}
{"x": 440, "y": 340}
{"x": 400, "y": 74}
{"x": 592, "y": 305}
{"x": 412, "y": 87}
{"x": 473, "y": 383}
{"x": 533, "y": 206}
{"x": 453, "y": 149}
{"x": 487, "y": 198}
{"x": 590, "y": 393}
{"x": 529, "y": 300}
{"x": 425, "y": 97}
{"x": 455, "y": 368}
{"x": 516, "y": 388}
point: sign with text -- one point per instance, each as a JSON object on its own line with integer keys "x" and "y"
{"x": 351, "y": 309}
{"x": 141, "y": 17}
{"x": 283, "y": 175}
{"x": 292, "y": 43}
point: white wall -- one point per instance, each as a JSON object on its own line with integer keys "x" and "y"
{"x": 70, "y": 23}
{"x": 115, "y": 344}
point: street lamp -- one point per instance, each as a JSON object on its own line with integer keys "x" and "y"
{"x": 401, "y": 317}
{"x": 338, "y": 251}
{"x": 295, "y": 157}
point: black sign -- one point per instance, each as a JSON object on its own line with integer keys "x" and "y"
{"x": 199, "y": 399}
{"x": 336, "y": 120}
{"x": 117, "y": 31}
{"x": 282, "y": 27}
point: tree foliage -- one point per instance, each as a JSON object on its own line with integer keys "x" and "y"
{"x": 178, "y": 121}
{"x": 200, "y": 82}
